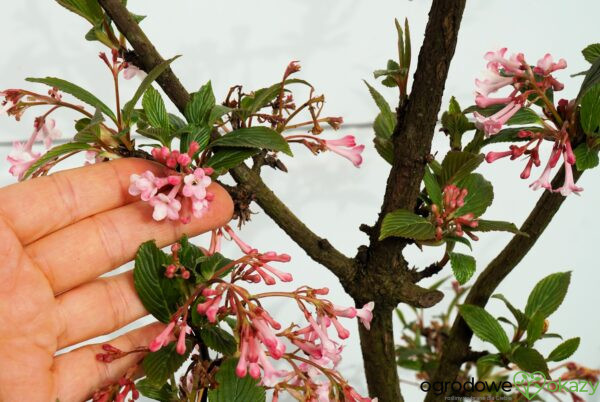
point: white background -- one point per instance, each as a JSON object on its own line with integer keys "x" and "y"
{"x": 339, "y": 43}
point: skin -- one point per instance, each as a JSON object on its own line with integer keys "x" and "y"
{"x": 58, "y": 235}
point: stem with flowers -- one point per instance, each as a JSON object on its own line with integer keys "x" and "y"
{"x": 221, "y": 329}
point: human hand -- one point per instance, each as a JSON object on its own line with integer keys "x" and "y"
{"x": 58, "y": 234}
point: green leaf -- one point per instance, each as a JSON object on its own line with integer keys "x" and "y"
{"x": 463, "y": 266}
{"x": 77, "y": 92}
{"x": 585, "y": 157}
{"x": 200, "y": 134}
{"x": 486, "y": 363}
{"x": 161, "y": 135}
{"x": 511, "y": 134}
{"x": 432, "y": 186}
{"x": 160, "y": 365}
{"x": 591, "y": 52}
{"x": 88, "y": 9}
{"x": 176, "y": 122}
{"x": 254, "y": 137}
{"x": 479, "y": 197}
{"x": 521, "y": 318}
{"x": 485, "y": 225}
{"x": 456, "y": 239}
{"x": 260, "y": 98}
{"x": 87, "y": 129}
{"x": 198, "y": 109}
{"x": 403, "y": 223}
{"x": 564, "y": 350}
{"x": 386, "y": 112}
{"x": 535, "y": 327}
{"x": 524, "y": 115}
{"x": 210, "y": 265}
{"x": 383, "y": 127}
{"x": 54, "y": 153}
{"x": 384, "y": 148}
{"x": 457, "y": 165}
{"x": 592, "y": 77}
{"x": 217, "y": 112}
{"x": 589, "y": 114}
{"x": 218, "y": 340}
{"x": 154, "y": 106}
{"x": 162, "y": 394}
{"x": 159, "y": 295}
{"x": 229, "y": 157}
{"x": 530, "y": 360}
{"x": 485, "y": 326}
{"x": 234, "y": 389}
{"x": 548, "y": 294}
{"x": 144, "y": 85}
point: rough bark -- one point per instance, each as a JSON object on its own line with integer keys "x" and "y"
{"x": 382, "y": 262}
{"x": 457, "y": 345}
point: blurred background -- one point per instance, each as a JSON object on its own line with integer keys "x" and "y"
{"x": 339, "y": 43}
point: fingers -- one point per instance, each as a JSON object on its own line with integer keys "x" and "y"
{"x": 78, "y": 374}
{"x": 40, "y": 206}
{"x": 98, "y": 244}
{"x": 98, "y": 308}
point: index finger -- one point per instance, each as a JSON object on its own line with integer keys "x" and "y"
{"x": 40, "y": 206}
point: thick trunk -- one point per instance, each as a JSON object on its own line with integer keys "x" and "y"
{"x": 379, "y": 357}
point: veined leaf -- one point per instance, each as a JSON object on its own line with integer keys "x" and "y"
{"x": 260, "y": 98}
{"x": 511, "y": 134}
{"x": 589, "y": 115}
{"x": 198, "y": 109}
{"x": 155, "y": 109}
{"x": 485, "y": 225}
{"x": 54, "y": 153}
{"x": 479, "y": 197}
{"x": 160, "y": 365}
{"x": 76, "y": 91}
{"x": 254, "y": 137}
{"x": 457, "y": 165}
{"x": 485, "y": 326}
{"x": 463, "y": 266}
{"x": 530, "y": 360}
{"x": 234, "y": 389}
{"x": 403, "y": 223}
{"x": 432, "y": 186}
{"x": 159, "y": 295}
{"x": 230, "y": 157}
{"x": 591, "y": 52}
{"x": 548, "y": 294}
{"x": 564, "y": 350}
{"x": 521, "y": 318}
{"x": 218, "y": 339}
{"x": 144, "y": 85}
{"x": 88, "y": 9}
{"x": 386, "y": 112}
{"x": 585, "y": 157}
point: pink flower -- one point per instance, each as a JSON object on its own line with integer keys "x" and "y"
{"x": 493, "y": 124}
{"x": 569, "y": 185}
{"x": 365, "y": 314}
{"x": 163, "y": 338}
{"x": 199, "y": 207}
{"x": 132, "y": 71}
{"x": 346, "y": 147}
{"x": 498, "y": 59}
{"x": 544, "y": 180}
{"x": 180, "y": 348}
{"x": 546, "y": 65}
{"x": 492, "y": 84}
{"x": 483, "y": 101}
{"x": 195, "y": 184}
{"x": 165, "y": 207}
{"x": 50, "y": 132}
{"x": 21, "y": 158}
{"x": 494, "y": 156}
{"x": 144, "y": 185}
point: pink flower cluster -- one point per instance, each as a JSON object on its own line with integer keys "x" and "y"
{"x": 181, "y": 193}
{"x": 22, "y": 155}
{"x": 345, "y": 146}
{"x": 262, "y": 341}
{"x": 516, "y": 73}
{"x": 526, "y": 82}
{"x": 444, "y": 217}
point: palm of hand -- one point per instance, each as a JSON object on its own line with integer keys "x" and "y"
{"x": 58, "y": 234}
